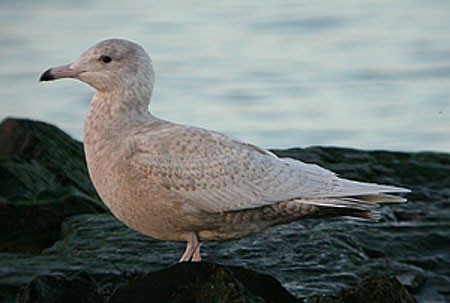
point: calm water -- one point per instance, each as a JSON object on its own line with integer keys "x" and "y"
{"x": 365, "y": 74}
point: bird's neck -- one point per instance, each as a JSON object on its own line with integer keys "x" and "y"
{"x": 112, "y": 112}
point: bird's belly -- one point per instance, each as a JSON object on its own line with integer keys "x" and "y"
{"x": 152, "y": 214}
{"x": 143, "y": 205}
{"x": 160, "y": 213}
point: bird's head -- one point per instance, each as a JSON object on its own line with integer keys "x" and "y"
{"x": 110, "y": 65}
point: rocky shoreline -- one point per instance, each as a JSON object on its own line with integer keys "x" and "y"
{"x": 58, "y": 243}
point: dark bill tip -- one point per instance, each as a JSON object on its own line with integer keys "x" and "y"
{"x": 47, "y": 75}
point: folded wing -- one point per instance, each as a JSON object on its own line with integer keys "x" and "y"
{"x": 216, "y": 173}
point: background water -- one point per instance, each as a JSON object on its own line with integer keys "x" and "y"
{"x": 365, "y": 74}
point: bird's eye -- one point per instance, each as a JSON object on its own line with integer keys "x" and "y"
{"x": 105, "y": 58}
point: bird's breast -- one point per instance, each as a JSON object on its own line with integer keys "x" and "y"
{"x": 137, "y": 200}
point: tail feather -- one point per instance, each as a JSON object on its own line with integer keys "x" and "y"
{"x": 357, "y": 207}
{"x": 343, "y": 203}
{"x": 363, "y": 215}
{"x": 381, "y": 198}
{"x": 350, "y": 188}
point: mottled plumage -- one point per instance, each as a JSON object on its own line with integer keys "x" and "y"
{"x": 183, "y": 183}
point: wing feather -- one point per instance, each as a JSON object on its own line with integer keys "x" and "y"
{"x": 216, "y": 173}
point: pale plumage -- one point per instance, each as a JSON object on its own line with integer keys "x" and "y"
{"x": 184, "y": 183}
{"x": 219, "y": 174}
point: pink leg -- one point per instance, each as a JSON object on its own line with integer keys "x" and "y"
{"x": 192, "y": 252}
{"x": 196, "y": 256}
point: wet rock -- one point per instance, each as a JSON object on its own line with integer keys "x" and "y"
{"x": 184, "y": 282}
{"x": 33, "y": 225}
{"x": 204, "y": 282}
{"x": 408, "y": 216}
{"x": 43, "y": 179}
{"x": 49, "y": 208}
{"x": 374, "y": 289}
{"x": 59, "y": 288}
{"x": 39, "y": 160}
{"x": 199, "y": 282}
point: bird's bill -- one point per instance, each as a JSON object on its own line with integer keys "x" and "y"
{"x": 64, "y": 71}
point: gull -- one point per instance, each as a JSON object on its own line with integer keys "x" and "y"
{"x": 184, "y": 183}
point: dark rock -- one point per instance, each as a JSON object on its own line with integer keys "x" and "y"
{"x": 31, "y": 226}
{"x": 43, "y": 179}
{"x": 378, "y": 289}
{"x": 37, "y": 158}
{"x": 408, "y": 216}
{"x": 8, "y": 292}
{"x": 184, "y": 282}
{"x": 58, "y": 288}
{"x": 204, "y": 282}
{"x": 199, "y": 282}
{"x": 48, "y": 207}
{"x": 374, "y": 289}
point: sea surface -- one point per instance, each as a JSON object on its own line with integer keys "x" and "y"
{"x": 363, "y": 74}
